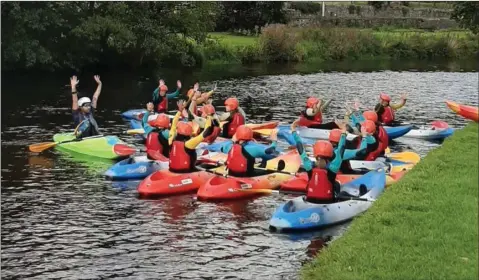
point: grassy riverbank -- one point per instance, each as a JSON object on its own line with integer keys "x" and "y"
{"x": 279, "y": 43}
{"x": 423, "y": 227}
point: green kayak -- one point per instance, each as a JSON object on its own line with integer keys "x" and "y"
{"x": 95, "y": 146}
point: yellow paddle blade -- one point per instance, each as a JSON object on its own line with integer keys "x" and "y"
{"x": 264, "y": 131}
{"x": 387, "y": 151}
{"x": 399, "y": 168}
{"x": 40, "y": 147}
{"x": 135, "y": 131}
{"x": 410, "y": 157}
{"x": 265, "y": 191}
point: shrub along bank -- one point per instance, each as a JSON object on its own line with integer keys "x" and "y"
{"x": 280, "y": 43}
{"x": 423, "y": 227}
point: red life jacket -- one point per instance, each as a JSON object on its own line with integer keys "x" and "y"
{"x": 305, "y": 120}
{"x": 152, "y": 142}
{"x": 236, "y": 161}
{"x": 163, "y": 105}
{"x": 383, "y": 141}
{"x": 212, "y": 137}
{"x": 180, "y": 159}
{"x": 387, "y": 116}
{"x": 319, "y": 186}
{"x": 235, "y": 122}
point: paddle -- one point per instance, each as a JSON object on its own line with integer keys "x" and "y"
{"x": 406, "y": 157}
{"x": 40, "y": 147}
{"x": 135, "y": 131}
{"x": 269, "y": 191}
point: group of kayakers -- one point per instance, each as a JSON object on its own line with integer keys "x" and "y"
{"x": 178, "y": 139}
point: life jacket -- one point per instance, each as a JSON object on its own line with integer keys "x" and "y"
{"x": 216, "y": 132}
{"x": 89, "y": 127}
{"x": 382, "y": 138}
{"x": 156, "y": 142}
{"x": 181, "y": 159}
{"x": 229, "y": 129}
{"x": 163, "y": 104}
{"x": 387, "y": 116}
{"x": 239, "y": 162}
{"x": 305, "y": 120}
{"x": 320, "y": 186}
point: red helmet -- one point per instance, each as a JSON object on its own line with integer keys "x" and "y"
{"x": 244, "y": 133}
{"x": 163, "y": 88}
{"x": 335, "y": 135}
{"x": 368, "y": 126}
{"x": 208, "y": 109}
{"x": 323, "y": 149}
{"x": 184, "y": 128}
{"x": 161, "y": 121}
{"x": 384, "y": 97}
{"x": 232, "y": 103}
{"x": 311, "y": 102}
{"x": 371, "y": 116}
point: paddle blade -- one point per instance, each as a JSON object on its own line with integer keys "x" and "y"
{"x": 40, "y": 147}
{"x": 123, "y": 150}
{"x": 156, "y": 155}
{"x": 263, "y": 132}
{"x": 263, "y": 191}
{"x": 439, "y": 124}
{"x": 409, "y": 157}
{"x": 135, "y": 131}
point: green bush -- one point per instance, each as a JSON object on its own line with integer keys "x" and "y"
{"x": 279, "y": 43}
{"x": 307, "y": 8}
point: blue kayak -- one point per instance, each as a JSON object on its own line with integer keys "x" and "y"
{"x": 216, "y": 147}
{"x": 134, "y": 168}
{"x": 397, "y": 131}
{"x": 299, "y": 214}
{"x": 133, "y": 114}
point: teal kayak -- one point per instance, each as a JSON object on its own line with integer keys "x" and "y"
{"x": 95, "y": 146}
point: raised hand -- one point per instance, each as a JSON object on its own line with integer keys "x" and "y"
{"x": 404, "y": 96}
{"x": 196, "y": 87}
{"x": 149, "y": 106}
{"x": 215, "y": 87}
{"x": 97, "y": 79}
{"x": 74, "y": 81}
{"x": 274, "y": 135}
{"x": 178, "y": 84}
{"x": 161, "y": 82}
{"x": 294, "y": 125}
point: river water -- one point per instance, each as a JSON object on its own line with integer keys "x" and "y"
{"x": 62, "y": 220}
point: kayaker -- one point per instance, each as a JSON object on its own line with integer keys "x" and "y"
{"x": 312, "y": 116}
{"x": 233, "y": 117}
{"x": 157, "y": 132}
{"x": 182, "y": 107}
{"x": 183, "y": 146}
{"x": 160, "y": 97}
{"x": 380, "y": 134}
{"x": 208, "y": 110}
{"x": 385, "y": 110}
{"x": 83, "y": 110}
{"x": 241, "y": 156}
{"x": 150, "y": 110}
{"x": 201, "y": 98}
{"x": 322, "y": 186}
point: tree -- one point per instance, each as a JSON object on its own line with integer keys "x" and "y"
{"x": 467, "y": 15}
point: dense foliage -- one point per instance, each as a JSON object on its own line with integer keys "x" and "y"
{"x": 73, "y": 34}
{"x": 467, "y": 14}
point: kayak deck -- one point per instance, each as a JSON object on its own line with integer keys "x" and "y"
{"x": 96, "y": 146}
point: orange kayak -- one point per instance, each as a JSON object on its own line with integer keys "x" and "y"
{"x": 221, "y": 188}
{"x": 468, "y": 112}
{"x": 266, "y": 125}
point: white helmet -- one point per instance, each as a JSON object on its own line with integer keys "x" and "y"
{"x": 152, "y": 117}
{"x": 83, "y": 101}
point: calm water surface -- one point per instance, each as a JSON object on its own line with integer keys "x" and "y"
{"x": 62, "y": 220}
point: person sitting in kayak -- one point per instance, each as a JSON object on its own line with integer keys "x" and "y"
{"x": 208, "y": 110}
{"x": 183, "y": 146}
{"x": 385, "y": 110}
{"x": 157, "y": 132}
{"x": 312, "y": 116}
{"x": 322, "y": 186}
{"x": 380, "y": 133}
{"x": 160, "y": 97}
{"x": 233, "y": 117}
{"x": 241, "y": 156}
{"x": 83, "y": 110}
{"x": 349, "y": 154}
{"x": 201, "y": 98}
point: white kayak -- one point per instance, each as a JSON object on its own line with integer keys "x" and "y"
{"x": 429, "y": 133}
{"x": 316, "y": 133}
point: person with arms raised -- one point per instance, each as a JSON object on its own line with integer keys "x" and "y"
{"x": 312, "y": 116}
{"x": 233, "y": 116}
{"x": 83, "y": 109}
{"x": 385, "y": 110}
{"x": 208, "y": 110}
{"x": 161, "y": 97}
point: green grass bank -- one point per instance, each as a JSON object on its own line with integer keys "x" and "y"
{"x": 423, "y": 227}
{"x": 280, "y": 43}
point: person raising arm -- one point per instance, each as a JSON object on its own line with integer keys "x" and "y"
{"x": 83, "y": 109}
{"x": 161, "y": 97}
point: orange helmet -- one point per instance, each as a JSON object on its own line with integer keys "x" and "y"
{"x": 232, "y": 103}
{"x": 384, "y": 97}
{"x": 163, "y": 88}
{"x": 311, "y": 102}
{"x": 368, "y": 126}
{"x": 323, "y": 149}
{"x": 161, "y": 121}
{"x": 184, "y": 128}
{"x": 335, "y": 135}
{"x": 371, "y": 116}
{"x": 208, "y": 109}
{"x": 244, "y": 133}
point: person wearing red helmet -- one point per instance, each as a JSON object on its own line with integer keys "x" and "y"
{"x": 161, "y": 97}
{"x": 201, "y": 98}
{"x": 349, "y": 153}
{"x": 241, "y": 156}
{"x": 233, "y": 117}
{"x": 385, "y": 110}
{"x": 322, "y": 186}
{"x": 183, "y": 145}
{"x": 312, "y": 116}
{"x": 208, "y": 110}
{"x": 157, "y": 130}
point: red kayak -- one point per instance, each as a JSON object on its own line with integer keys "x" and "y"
{"x": 468, "y": 112}
{"x": 221, "y": 188}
